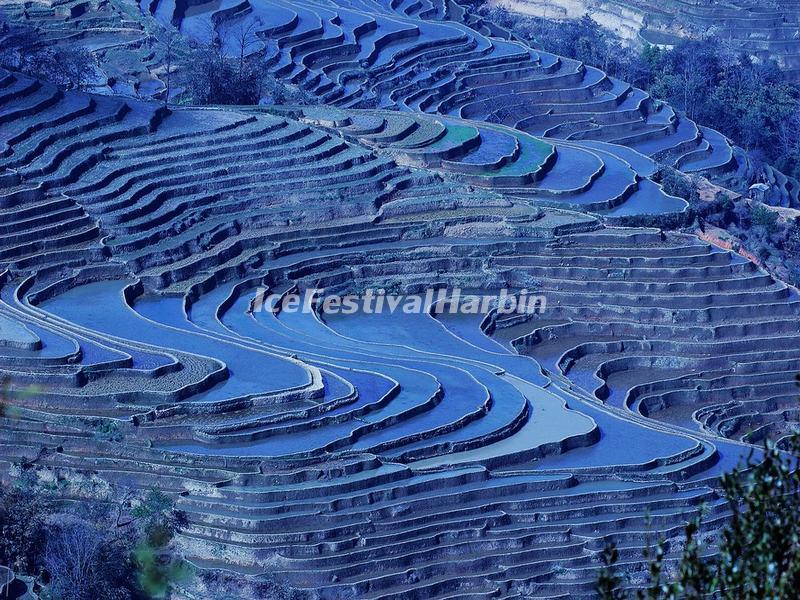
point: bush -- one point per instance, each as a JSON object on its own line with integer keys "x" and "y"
{"x": 158, "y": 570}
{"x": 211, "y": 77}
{"x": 68, "y": 67}
{"x": 677, "y": 184}
{"x": 84, "y": 562}
{"x": 793, "y": 238}
{"x": 22, "y": 528}
{"x": 157, "y": 565}
{"x": 765, "y": 218}
{"x": 88, "y": 554}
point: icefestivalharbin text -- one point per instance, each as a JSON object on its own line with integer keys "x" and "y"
{"x": 376, "y": 301}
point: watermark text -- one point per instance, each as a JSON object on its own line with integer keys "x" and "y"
{"x": 377, "y": 301}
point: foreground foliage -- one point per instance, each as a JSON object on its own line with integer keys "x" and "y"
{"x": 757, "y": 552}
{"x": 90, "y": 551}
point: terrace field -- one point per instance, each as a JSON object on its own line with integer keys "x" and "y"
{"x": 380, "y": 455}
{"x": 762, "y": 29}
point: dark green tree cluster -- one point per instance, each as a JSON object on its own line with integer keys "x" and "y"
{"x": 750, "y": 102}
{"x": 157, "y": 565}
{"x": 755, "y": 556}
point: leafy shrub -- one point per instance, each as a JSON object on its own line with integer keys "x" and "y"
{"x": 88, "y": 554}
{"x": 763, "y": 217}
{"x": 108, "y": 430}
{"x": 22, "y": 528}
{"x": 157, "y": 566}
{"x": 158, "y": 570}
{"x": 677, "y": 184}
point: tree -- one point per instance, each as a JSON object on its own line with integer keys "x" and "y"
{"x": 760, "y": 548}
{"x": 608, "y": 581}
{"x": 157, "y": 571}
{"x": 158, "y": 567}
{"x": 245, "y": 38}
{"x": 156, "y": 511}
{"x": 677, "y": 184}
{"x": 763, "y": 217}
{"x": 685, "y": 75}
{"x": 171, "y": 39}
{"x": 212, "y": 77}
{"x": 84, "y": 562}
{"x": 86, "y": 551}
{"x": 22, "y": 528}
{"x": 788, "y": 141}
{"x": 7, "y": 408}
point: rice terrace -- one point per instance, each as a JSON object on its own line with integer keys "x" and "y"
{"x": 393, "y": 299}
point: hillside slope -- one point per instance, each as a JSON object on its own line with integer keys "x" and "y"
{"x": 381, "y": 454}
{"x": 314, "y": 447}
{"x": 763, "y": 30}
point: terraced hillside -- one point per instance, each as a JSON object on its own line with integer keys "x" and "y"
{"x": 466, "y": 455}
{"x": 590, "y": 177}
{"x": 762, "y": 29}
{"x": 434, "y": 57}
{"x": 130, "y": 58}
{"x": 411, "y": 455}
